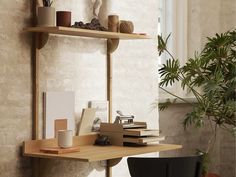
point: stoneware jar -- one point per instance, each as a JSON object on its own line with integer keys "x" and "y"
{"x": 46, "y": 16}
{"x": 65, "y": 138}
{"x": 64, "y": 18}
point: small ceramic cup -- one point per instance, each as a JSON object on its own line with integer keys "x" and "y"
{"x": 63, "y": 18}
{"x": 65, "y": 138}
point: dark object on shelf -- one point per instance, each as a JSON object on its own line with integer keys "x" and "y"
{"x": 64, "y": 18}
{"x": 47, "y": 3}
{"x": 93, "y": 25}
{"x": 164, "y": 167}
{"x": 126, "y": 27}
{"x": 102, "y": 140}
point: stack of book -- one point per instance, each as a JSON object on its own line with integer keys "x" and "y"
{"x": 141, "y": 136}
{"x": 135, "y": 133}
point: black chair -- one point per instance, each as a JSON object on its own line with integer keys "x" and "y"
{"x": 165, "y": 167}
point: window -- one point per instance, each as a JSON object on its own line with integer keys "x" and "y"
{"x": 172, "y": 19}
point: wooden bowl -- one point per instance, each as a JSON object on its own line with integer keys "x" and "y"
{"x": 126, "y": 26}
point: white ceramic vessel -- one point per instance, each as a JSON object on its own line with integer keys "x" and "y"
{"x": 65, "y": 138}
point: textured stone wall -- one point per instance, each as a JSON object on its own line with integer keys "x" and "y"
{"x": 205, "y": 18}
{"x": 71, "y": 64}
{"x": 15, "y": 87}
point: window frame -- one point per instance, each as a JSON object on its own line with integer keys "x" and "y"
{"x": 175, "y": 21}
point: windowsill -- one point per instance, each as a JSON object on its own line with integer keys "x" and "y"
{"x": 178, "y": 101}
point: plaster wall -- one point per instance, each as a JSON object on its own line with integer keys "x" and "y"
{"x": 205, "y": 18}
{"x": 72, "y": 64}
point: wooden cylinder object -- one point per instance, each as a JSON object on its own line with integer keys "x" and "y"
{"x": 126, "y": 27}
{"x": 64, "y": 18}
{"x": 113, "y": 23}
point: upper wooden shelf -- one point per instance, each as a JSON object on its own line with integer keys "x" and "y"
{"x": 84, "y": 33}
{"x": 89, "y": 152}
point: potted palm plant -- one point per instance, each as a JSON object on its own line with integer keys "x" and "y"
{"x": 210, "y": 76}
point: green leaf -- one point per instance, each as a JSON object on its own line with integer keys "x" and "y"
{"x": 162, "y": 44}
{"x": 169, "y": 72}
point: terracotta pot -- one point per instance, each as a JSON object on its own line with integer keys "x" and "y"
{"x": 211, "y": 175}
{"x": 46, "y": 16}
{"x": 64, "y": 18}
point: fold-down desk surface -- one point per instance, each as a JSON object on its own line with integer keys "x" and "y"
{"x": 89, "y": 152}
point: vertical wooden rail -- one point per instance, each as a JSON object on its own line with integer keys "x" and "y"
{"x": 109, "y": 98}
{"x": 109, "y": 86}
{"x": 112, "y": 44}
{"x": 35, "y": 83}
{"x": 35, "y": 91}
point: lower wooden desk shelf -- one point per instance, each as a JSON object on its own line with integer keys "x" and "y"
{"x": 89, "y": 152}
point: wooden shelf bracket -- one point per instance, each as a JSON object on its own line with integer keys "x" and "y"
{"x": 42, "y": 40}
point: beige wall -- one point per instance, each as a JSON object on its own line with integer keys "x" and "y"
{"x": 205, "y": 18}
{"x": 71, "y": 64}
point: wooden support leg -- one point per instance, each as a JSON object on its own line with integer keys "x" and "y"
{"x": 108, "y": 171}
{"x": 110, "y": 164}
{"x": 35, "y": 164}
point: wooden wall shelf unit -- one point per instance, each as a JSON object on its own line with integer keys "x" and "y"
{"x": 88, "y": 152}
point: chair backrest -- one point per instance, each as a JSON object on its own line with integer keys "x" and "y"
{"x": 165, "y": 167}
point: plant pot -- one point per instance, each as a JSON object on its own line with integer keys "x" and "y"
{"x": 211, "y": 175}
{"x": 46, "y": 16}
{"x": 64, "y": 18}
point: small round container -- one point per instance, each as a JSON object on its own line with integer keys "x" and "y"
{"x": 64, "y": 18}
{"x": 46, "y": 16}
{"x": 126, "y": 27}
{"x": 65, "y": 138}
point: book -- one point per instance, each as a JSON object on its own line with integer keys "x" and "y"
{"x": 143, "y": 140}
{"x": 87, "y": 120}
{"x": 101, "y": 114}
{"x": 141, "y": 132}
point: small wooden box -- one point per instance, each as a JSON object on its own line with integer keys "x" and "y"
{"x": 58, "y": 150}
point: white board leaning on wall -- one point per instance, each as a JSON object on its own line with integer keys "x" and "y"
{"x": 58, "y": 106}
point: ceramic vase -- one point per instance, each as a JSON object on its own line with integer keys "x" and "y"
{"x": 46, "y": 16}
